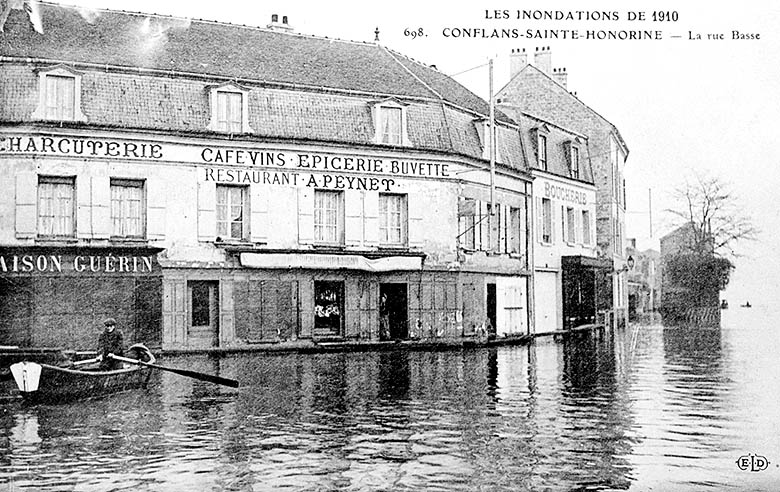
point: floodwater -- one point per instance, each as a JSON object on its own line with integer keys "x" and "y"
{"x": 653, "y": 408}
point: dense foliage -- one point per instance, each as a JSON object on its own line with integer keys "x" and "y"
{"x": 698, "y": 274}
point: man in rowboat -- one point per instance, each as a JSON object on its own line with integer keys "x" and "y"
{"x": 110, "y": 342}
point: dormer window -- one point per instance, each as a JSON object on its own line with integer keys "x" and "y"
{"x": 390, "y": 122}
{"x": 229, "y": 109}
{"x": 59, "y": 95}
{"x": 573, "y": 157}
{"x": 541, "y": 133}
{"x": 575, "y": 162}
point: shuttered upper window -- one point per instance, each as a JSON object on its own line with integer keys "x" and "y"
{"x": 59, "y": 95}
{"x": 229, "y": 109}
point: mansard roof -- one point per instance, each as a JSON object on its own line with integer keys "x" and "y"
{"x": 537, "y": 93}
{"x": 243, "y": 53}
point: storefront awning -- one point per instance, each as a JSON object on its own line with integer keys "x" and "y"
{"x": 330, "y": 262}
{"x": 579, "y": 261}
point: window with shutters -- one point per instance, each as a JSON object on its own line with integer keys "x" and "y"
{"x": 128, "y": 217}
{"x": 393, "y": 219}
{"x": 233, "y": 212}
{"x": 586, "y": 234}
{"x": 547, "y": 220}
{"x": 56, "y": 206}
{"x": 229, "y": 109}
{"x": 59, "y": 97}
{"x": 571, "y": 226}
{"x": 329, "y": 217}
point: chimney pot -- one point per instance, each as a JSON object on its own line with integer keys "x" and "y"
{"x": 517, "y": 61}
{"x": 274, "y": 17}
{"x": 543, "y": 60}
{"x": 284, "y": 19}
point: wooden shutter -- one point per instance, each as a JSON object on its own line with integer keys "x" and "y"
{"x": 258, "y": 210}
{"x": 305, "y": 215}
{"x": 415, "y": 207}
{"x": 353, "y": 215}
{"x": 174, "y": 309}
{"x": 156, "y": 199}
{"x": 101, "y": 207}
{"x": 207, "y": 218}
{"x": 26, "y": 204}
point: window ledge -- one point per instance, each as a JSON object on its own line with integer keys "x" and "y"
{"x": 237, "y": 243}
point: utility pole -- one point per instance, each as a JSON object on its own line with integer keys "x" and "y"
{"x": 492, "y": 143}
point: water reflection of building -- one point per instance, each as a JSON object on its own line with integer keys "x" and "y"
{"x": 538, "y": 89}
{"x": 294, "y": 187}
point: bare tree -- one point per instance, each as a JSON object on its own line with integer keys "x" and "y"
{"x": 711, "y": 210}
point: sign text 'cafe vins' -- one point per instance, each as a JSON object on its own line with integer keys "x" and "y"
{"x": 121, "y": 149}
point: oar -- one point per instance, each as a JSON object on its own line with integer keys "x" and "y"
{"x": 183, "y": 372}
{"x": 86, "y": 361}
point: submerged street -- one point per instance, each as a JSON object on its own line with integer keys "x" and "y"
{"x": 654, "y": 409}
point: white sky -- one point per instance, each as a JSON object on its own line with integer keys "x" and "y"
{"x": 711, "y": 105}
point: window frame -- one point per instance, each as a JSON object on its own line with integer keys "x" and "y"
{"x": 546, "y": 211}
{"x": 135, "y": 184}
{"x": 571, "y": 225}
{"x": 245, "y": 213}
{"x": 403, "y": 226}
{"x": 339, "y": 213}
{"x": 541, "y": 150}
{"x": 587, "y": 238}
{"x": 378, "y": 109}
{"x": 214, "y": 105}
{"x": 59, "y": 71}
{"x": 70, "y": 182}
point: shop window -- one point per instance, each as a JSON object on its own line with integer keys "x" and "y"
{"x": 586, "y": 234}
{"x": 571, "y": 225}
{"x": 56, "y": 206}
{"x": 203, "y": 299}
{"x": 393, "y": 219}
{"x": 329, "y": 217}
{"x": 233, "y": 212}
{"x": 59, "y": 97}
{"x": 127, "y": 208}
{"x": 229, "y": 109}
{"x": 547, "y": 220}
{"x": 328, "y": 306}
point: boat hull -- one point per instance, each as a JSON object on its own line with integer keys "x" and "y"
{"x": 38, "y": 382}
{"x": 57, "y": 384}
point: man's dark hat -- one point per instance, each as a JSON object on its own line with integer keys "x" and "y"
{"x": 109, "y": 322}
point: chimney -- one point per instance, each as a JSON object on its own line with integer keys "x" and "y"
{"x": 559, "y": 75}
{"x": 275, "y": 25}
{"x": 517, "y": 61}
{"x": 543, "y": 59}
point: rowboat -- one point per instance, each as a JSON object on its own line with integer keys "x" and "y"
{"x": 41, "y": 382}
{"x": 11, "y": 354}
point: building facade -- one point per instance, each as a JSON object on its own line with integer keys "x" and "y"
{"x": 264, "y": 188}
{"x": 540, "y": 90}
{"x": 644, "y": 281}
{"x": 568, "y": 275}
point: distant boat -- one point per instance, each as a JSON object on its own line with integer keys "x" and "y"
{"x": 724, "y": 304}
{"x": 747, "y": 304}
